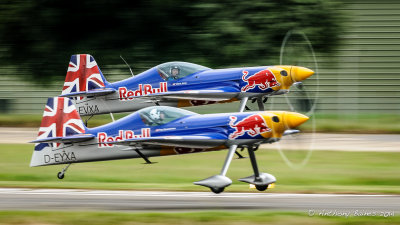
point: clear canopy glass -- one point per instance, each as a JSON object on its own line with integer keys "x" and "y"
{"x": 177, "y": 70}
{"x": 159, "y": 115}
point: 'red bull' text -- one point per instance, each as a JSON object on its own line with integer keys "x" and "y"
{"x": 143, "y": 90}
{"x": 104, "y": 139}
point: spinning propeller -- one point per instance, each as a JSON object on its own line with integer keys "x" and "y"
{"x": 296, "y": 49}
{"x": 298, "y": 54}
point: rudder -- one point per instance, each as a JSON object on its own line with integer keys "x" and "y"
{"x": 83, "y": 75}
{"x": 60, "y": 119}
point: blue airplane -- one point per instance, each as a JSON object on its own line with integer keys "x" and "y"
{"x": 159, "y": 131}
{"x": 177, "y": 84}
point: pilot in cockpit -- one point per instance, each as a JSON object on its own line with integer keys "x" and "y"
{"x": 156, "y": 116}
{"x": 175, "y": 72}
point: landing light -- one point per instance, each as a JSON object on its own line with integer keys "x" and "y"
{"x": 252, "y": 186}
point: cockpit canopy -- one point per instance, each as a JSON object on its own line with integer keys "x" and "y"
{"x": 177, "y": 70}
{"x": 159, "y": 115}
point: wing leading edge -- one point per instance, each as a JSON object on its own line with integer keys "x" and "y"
{"x": 214, "y": 94}
{"x": 189, "y": 141}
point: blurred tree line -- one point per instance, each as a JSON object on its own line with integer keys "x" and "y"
{"x": 39, "y": 36}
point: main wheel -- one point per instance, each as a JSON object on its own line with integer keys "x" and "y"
{"x": 217, "y": 190}
{"x": 60, "y": 175}
{"x": 261, "y": 187}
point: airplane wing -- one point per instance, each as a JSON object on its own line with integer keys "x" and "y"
{"x": 189, "y": 141}
{"x": 214, "y": 94}
{"x": 67, "y": 139}
{"x": 94, "y": 92}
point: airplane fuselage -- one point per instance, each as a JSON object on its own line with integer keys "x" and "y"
{"x": 128, "y": 91}
{"x": 219, "y": 126}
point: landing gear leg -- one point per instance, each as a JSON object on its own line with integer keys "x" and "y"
{"x": 60, "y": 175}
{"x": 112, "y": 116}
{"x": 253, "y": 161}
{"x": 260, "y": 104}
{"x": 228, "y": 160}
{"x": 243, "y": 104}
{"x": 218, "y": 183}
{"x": 240, "y": 156}
{"x": 260, "y": 180}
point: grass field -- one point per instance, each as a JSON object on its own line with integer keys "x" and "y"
{"x": 326, "y": 172}
{"x": 214, "y": 217}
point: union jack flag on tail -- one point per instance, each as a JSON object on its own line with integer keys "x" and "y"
{"x": 60, "y": 119}
{"x": 83, "y": 75}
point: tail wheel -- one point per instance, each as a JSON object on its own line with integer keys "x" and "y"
{"x": 60, "y": 175}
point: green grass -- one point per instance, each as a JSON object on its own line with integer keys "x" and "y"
{"x": 328, "y": 123}
{"x": 326, "y": 172}
{"x": 212, "y": 218}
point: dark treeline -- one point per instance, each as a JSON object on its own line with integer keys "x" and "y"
{"x": 39, "y": 36}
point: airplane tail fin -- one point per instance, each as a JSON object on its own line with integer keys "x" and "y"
{"x": 83, "y": 75}
{"x": 60, "y": 120}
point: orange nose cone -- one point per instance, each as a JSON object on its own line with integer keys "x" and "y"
{"x": 293, "y": 119}
{"x": 299, "y": 73}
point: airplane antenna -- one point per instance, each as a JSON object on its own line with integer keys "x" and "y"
{"x": 86, "y": 121}
{"x": 127, "y": 65}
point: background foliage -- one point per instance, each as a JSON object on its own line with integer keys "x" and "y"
{"x": 38, "y": 36}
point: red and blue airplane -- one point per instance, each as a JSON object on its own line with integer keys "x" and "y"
{"x": 177, "y": 84}
{"x": 159, "y": 131}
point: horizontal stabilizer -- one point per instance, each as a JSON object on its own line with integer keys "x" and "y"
{"x": 90, "y": 93}
{"x": 67, "y": 139}
{"x": 190, "y": 141}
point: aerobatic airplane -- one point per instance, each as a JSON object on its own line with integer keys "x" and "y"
{"x": 177, "y": 84}
{"x": 159, "y": 131}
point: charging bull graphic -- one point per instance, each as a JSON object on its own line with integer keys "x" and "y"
{"x": 263, "y": 79}
{"x": 253, "y": 125}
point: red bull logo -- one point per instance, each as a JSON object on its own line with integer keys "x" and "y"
{"x": 264, "y": 79}
{"x": 143, "y": 90}
{"x": 103, "y": 138}
{"x": 252, "y": 125}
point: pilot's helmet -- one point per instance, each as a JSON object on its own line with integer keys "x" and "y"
{"x": 155, "y": 114}
{"x": 175, "y": 71}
